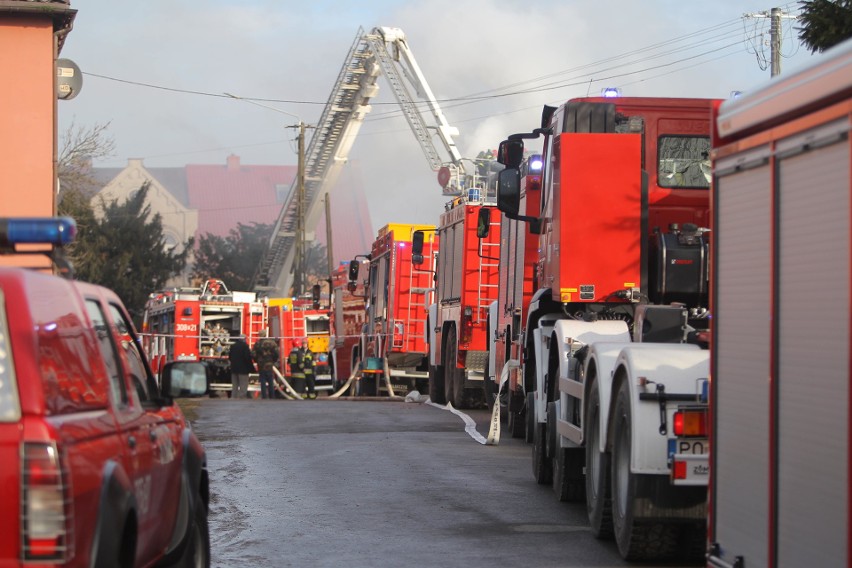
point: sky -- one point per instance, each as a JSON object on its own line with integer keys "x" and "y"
{"x": 156, "y": 72}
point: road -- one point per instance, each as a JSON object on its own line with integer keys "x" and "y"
{"x": 378, "y": 484}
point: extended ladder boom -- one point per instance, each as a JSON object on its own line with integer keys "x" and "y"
{"x": 384, "y": 50}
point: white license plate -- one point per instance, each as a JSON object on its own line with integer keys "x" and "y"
{"x": 692, "y": 447}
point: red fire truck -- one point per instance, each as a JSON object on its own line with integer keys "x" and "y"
{"x": 781, "y": 394}
{"x": 393, "y": 338}
{"x": 302, "y": 320}
{"x": 613, "y": 348}
{"x": 182, "y": 324}
{"x": 518, "y": 247}
{"x": 466, "y": 276}
{"x": 348, "y": 315}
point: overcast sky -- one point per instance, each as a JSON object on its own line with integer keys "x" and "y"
{"x": 157, "y": 71}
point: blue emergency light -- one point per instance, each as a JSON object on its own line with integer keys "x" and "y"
{"x": 611, "y": 92}
{"x": 535, "y": 163}
{"x": 57, "y": 231}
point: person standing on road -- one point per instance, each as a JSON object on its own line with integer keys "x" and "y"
{"x": 308, "y": 368}
{"x": 266, "y": 355}
{"x": 241, "y": 365}
{"x": 295, "y": 359}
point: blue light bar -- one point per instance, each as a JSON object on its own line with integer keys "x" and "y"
{"x": 611, "y": 92}
{"x": 56, "y": 231}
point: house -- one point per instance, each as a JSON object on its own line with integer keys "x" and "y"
{"x": 199, "y": 199}
{"x": 31, "y": 37}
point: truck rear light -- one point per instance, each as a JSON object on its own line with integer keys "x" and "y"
{"x": 467, "y": 325}
{"x": 679, "y": 470}
{"x": 398, "y": 333}
{"x": 690, "y": 423}
{"x": 44, "y": 533}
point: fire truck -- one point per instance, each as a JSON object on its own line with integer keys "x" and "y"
{"x": 614, "y": 342}
{"x": 518, "y": 247}
{"x": 199, "y": 323}
{"x": 348, "y": 315}
{"x": 466, "y": 278}
{"x": 393, "y": 340}
{"x": 302, "y": 320}
{"x": 780, "y": 395}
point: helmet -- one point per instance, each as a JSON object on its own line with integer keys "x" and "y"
{"x": 297, "y": 343}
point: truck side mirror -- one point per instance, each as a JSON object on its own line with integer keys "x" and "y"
{"x": 511, "y": 153}
{"x": 417, "y": 247}
{"x": 483, "y": 222}
{"x": 354, "y": 266}
{"x": 315, "y": 295}
{"x": 509, "y": 191}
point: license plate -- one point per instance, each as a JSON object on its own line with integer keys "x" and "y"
{"x": 692, "y": 447}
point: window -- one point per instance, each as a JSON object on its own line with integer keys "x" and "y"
{"x": 683, "y": 162}
{"x": 143, "y": 381}
{"x": 118, "y": 390}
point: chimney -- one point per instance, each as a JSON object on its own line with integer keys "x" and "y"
{"x": 233, "y": 163}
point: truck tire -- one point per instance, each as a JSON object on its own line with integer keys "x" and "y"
{"x": 436, "y": 384}
{"x": 529, "y": 418}
{"x": 636, "y": 539}
{"x": 542, "y": 469}
{"x": 516, "y": 421}
{"x": 489, "y": 387}
{"x": 453, "y": 377}
{"x": 598, "y": 497}
{"x": 568, "y": 481}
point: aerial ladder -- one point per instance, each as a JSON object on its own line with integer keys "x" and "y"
{"x": 382, "y": 51}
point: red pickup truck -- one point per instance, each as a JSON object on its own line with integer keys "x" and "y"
{"x": 98, "y": 465}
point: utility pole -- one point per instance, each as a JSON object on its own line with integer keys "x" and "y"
{"x": 299, "y": 276}
{"x": 329, "y": 249}
{"x": 775, "y": 15}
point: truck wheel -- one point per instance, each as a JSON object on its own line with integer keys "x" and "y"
{"x": 637, "y": 540}
{"x": 542, "y": 469}
{"x": 529, "y": 418}
{"x": 451, "y": 374}
{"x": 436, "y": 385}
{"x": 568, "y": 482}
{"x": 598, "y": 499}
{"x": 489, "y": 386}
{"x": 515, "y": 417}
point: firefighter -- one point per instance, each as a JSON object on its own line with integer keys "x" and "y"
{"x": 297, "y": 373}
{"x": 310, "y": 376}
{"x": 266, "y": 355}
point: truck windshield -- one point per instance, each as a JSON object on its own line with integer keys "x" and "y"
{"x": 683, "y": 162}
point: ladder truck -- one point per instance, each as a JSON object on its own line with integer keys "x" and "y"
{"x": 466, "y": 284}
{"x": 393, "y": 346}
{"x": 506, "y": 316}
{"x": 614, "y": 342}
{"x": 382, "y": 51}
{"x": 781, "y": 392}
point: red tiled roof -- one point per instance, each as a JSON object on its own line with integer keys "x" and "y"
{"x": 225, "y": 195}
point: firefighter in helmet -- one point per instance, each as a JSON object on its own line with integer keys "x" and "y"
{"x": 295, "y": 359}
{"x": 310, "y": 376}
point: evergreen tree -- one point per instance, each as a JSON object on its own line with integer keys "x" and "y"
{"x": 825, "y": 23}
{"x": 124, "y": 249}
{"x": 232, "y": 259}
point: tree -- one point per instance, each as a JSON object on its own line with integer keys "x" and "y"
{"x": 124, "y": 249}
{"x": 825, "y": 23}
{"x": 232, "y": 259}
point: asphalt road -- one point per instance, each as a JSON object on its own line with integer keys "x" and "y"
{"x": 378, "y": 484}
